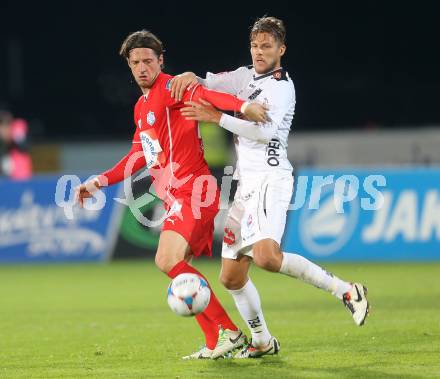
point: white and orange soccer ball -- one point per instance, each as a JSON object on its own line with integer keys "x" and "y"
{"x": 188, "y": 294}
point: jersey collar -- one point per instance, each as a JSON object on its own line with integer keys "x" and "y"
{"x": 268, "y": 74}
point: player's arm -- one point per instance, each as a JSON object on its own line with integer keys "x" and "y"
{"x": 279, "y": 103}
{"x": 256, "y": 132}
{"x": 261, "y": 132}
{"x": 229, "y": 82}
{"x": 204, "y": 111}
{"x": 252, "y": 111}
{"x": 181, "y": 83}
{"x": 132, "y": 162}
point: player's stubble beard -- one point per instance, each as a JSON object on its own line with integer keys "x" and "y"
{"x": 272, "y": 64}
{"x": 270, "y": 68}
{"x": 146, "y": 87}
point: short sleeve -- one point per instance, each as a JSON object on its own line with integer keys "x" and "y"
{"x": 230, "y": 82}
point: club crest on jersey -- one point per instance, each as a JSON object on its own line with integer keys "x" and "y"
{"x": 280, "y": 75}
{"x": 168, "y": 85}
{"x": 151, "y": 118}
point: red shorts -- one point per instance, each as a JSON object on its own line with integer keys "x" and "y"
{"x": 192, "y": 215}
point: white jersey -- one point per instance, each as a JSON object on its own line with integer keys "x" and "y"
{"x": 276, "y": 90}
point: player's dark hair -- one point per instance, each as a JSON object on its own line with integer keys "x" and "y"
{"x": 271, "y": 25}
{"x": 141, "y": 39}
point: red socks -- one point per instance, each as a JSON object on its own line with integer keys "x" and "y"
{"x": 214, "y": 314}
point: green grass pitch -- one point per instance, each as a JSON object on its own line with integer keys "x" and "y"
{"x": 112, "y": 321}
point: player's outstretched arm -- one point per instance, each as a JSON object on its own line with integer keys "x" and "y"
{"x": 132, "y": 162}
{"x": 204, "y": 111}
{"x": 228, "y": 81}
{"x": 86, "y": 190}
{"x": 257, "y": 132}
{"x": 252, "y": 111}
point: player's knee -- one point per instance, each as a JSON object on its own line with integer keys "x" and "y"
{"x": 162, "y": 262}
{"x": 267, "y": 259}
{"x": 231, "y": 282}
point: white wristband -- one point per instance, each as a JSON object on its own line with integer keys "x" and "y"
{"x": 244, "y": 106}
{"x": 96, "y": 182}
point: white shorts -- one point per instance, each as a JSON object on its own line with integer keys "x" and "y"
{"x": 258, "y": 212}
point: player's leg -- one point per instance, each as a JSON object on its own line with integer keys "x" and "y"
{"x": 353, "y": 295}
{"x": 173, "y": 251}
{"x": 172, "y": 257}
{"x": 267, "y": 255}
{"x": 275, "y": 199}
{"x": 235, "y": 267}
{"x": 234, "y": 276}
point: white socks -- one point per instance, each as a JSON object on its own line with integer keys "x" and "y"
{"x": 301, "y": 268}
{"x": 248, "y": 301}
{"x": 248, "y": 304}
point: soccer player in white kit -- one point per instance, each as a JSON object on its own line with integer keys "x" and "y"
{"x": 257, "y": 217}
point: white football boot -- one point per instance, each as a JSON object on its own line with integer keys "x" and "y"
{"x": 356, "y": 302}
{"x": 203, "y": 353}
{"x": 228, "y": 340}
{"x": 250, "y": 351}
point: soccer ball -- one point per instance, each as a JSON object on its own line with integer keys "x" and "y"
{"x": 188, "y": 294}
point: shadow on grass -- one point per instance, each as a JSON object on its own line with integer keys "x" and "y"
{"x": 278, "y": 367}
{"x": 266, "y": 361}
{"x": 349, "y": 372}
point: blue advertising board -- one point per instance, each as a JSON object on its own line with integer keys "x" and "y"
{"x": 379, "y": 214}
{"x": 37, "y": 227}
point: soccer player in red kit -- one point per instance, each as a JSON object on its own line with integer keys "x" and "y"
{"x": 172, "y": 149}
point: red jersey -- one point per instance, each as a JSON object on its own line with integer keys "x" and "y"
{"x": 171, "y": 146}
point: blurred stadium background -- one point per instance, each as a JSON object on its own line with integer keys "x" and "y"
{"x": 366, "y": 78}
{"x": 367, "y": 82}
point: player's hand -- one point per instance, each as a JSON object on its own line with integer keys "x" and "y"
{"x": 180, "y": 83}
{"x": 201, "y": 111}
{"x": 86, "y": 190}
{"x": 256, "y": 112}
